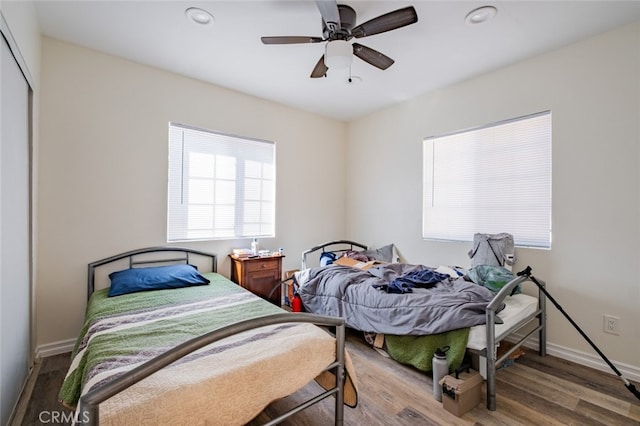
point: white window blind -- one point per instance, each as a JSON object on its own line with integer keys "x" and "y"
{"x": 492, "y": 179}
{"x": 220, "y": 186}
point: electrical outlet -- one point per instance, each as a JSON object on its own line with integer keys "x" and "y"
{"x": 611, "y": 324}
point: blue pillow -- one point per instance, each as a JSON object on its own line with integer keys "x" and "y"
{"x": 327, "y": 258}
{"x": 154, "y": 278}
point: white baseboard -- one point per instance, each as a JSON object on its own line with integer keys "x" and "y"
{"x": 55, "y": 348}
{"x": 17, "y": 416}
{"x": 594, "y": 361}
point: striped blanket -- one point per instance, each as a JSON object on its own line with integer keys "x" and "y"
{"x": 229, "y": 382}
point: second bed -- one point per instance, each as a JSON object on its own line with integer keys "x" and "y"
{"x": 410, "y": 326}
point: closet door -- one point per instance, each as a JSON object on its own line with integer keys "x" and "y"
{"x": 15, "y": 278}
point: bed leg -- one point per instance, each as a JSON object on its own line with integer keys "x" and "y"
{"x": 340, "y": 373}
{"x": 491, "y": 361}
{"x": 491, "y": 383}
{"x": 87, "y": 414}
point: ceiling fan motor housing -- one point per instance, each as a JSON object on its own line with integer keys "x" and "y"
{"x": 347, "y": 22}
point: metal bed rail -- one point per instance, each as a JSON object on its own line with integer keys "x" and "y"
{"x": 88, "y": 407}
{"x": 183, "y": 256}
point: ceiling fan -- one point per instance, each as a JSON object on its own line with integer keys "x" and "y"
{"x": 338, "y": 27}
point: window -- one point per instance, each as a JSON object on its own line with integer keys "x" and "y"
{"x": 492, "y": 179}
{"x": 220, "y": 186}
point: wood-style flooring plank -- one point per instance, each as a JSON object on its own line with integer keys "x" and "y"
{"x": 520, "y": 413}
{"x": 409, "y": 416}
{"x": 543, "y": 388}
{"x": 483, "y": 417}
{"x": 545, "y": 410}
{"x": 44, "y": 406}
{"x": 524, "y": 373}
{"x": 603, "y": 415}
{"x": 634, "y": 411}
{"x": 598, "y": 381}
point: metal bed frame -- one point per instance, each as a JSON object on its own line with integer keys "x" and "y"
{"x": 341, "y": 249}
{"x": 88, "y": 406}
{"x": 490, "y": 351}
{"x": 135, "y": 258}
{"x": 492, "y": 361}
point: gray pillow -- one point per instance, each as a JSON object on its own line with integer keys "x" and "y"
{"x": 384, "y": 254}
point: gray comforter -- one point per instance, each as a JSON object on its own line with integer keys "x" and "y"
{"x": 350, "y": 293}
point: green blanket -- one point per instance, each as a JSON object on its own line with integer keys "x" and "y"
{"x": 130, "y": 329}
{"x": 418, "y": 350}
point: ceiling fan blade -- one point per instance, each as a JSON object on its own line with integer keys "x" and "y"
{"x": 320, "y": 70}
{"x": 387, "y": 22}
{"x": 290, "y": 39}
{"x": 330, "y": 14}
{"x": 372, "y": 56}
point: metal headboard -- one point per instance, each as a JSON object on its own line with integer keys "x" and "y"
{"x": 182, "y": 254}
{"x": 324, "y": 246}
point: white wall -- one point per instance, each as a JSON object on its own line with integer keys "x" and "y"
{"x": 593, "y": 90}
{"x": 103, "y": 170}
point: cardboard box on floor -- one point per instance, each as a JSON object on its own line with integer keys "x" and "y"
{"x": 347, "y": 261}
{"x": 461, "y": 394}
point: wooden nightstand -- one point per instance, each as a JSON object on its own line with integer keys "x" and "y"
{"x": 259, "y": 275}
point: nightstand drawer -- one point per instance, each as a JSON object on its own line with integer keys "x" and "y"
{"x": 262, "y": 265}
{"x": 259, "y": 275}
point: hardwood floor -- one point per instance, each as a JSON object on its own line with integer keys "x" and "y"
{"x": 531, "y": 391}
{"x": 43, "y": 406}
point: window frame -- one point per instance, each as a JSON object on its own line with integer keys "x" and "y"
{"x": 445, "y": 213}
{"x": 242, "y": 155}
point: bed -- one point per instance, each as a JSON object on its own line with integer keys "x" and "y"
{"x": 468, "y": 318}
{"x": 164, "y": 343}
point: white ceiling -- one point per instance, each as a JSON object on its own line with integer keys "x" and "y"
{"x": 440, "y": 49}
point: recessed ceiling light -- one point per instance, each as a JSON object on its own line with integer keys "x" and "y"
{"x": 199, "y": 16}
{"x": 480, "y": 15}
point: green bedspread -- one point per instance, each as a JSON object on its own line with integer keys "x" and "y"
{"x": 130, "y": 329}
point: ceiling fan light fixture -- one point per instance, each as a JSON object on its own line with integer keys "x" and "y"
{"x": 480, "y": 15}
{"x": 338, "y": 54}
{"x": 199, "y": 16}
